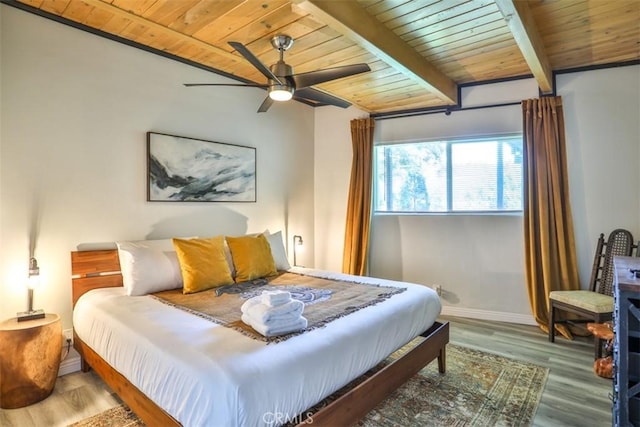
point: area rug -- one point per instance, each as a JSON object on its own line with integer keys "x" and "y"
{"x": 478, "y": 389}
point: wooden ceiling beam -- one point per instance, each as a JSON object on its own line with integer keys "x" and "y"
{"x": 522, "y": 25}
{"x": 354, "y": 22}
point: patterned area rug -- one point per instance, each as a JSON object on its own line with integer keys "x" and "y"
{"x": 478, "y": 389}
{"x": 119, "y": 416}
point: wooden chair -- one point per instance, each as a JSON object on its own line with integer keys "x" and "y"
{"x": 596, "y": 304}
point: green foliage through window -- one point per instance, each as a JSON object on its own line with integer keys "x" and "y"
{"x": 471, "y": 175}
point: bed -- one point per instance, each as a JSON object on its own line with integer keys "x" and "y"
{"x": 175, "y": 368}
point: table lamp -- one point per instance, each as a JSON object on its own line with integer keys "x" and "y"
{"x": 32, "y": 283}
{"x": 298, "y": 245}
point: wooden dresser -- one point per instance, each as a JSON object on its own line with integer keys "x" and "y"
{"x": 626, "y": 349}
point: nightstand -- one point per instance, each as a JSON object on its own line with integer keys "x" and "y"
{"x": 29, "y": 360}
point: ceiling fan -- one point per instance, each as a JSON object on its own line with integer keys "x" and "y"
{"x": 284, "y": 85}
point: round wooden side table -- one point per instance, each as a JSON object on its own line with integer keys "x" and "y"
{"x": 29, "y": 360}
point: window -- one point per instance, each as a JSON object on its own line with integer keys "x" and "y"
{"x": 470, "y": 175}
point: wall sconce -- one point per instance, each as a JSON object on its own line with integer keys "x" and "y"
{"x": 298, "y": 245}
{"x": 33, "y": 282}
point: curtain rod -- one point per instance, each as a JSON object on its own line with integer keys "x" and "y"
{"x": 437, "y": 110}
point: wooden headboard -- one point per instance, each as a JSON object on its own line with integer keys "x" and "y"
{"x": 94, "y": 269}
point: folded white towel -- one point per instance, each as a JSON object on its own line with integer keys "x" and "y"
{"x": 275, "y": 328}
{"x": 250, "y": 303}
{"x": 279, "y": 319}
{"x": 263, "y": 313}
{"x": 275, "y": 298}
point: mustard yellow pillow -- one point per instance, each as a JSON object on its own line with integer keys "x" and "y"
{"x": 202, "y": 263}
{"x": 252, "y": 257}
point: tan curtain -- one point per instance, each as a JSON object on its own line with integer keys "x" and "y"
{"x": 550, "y": 254}
{"x": 356, "y": 236}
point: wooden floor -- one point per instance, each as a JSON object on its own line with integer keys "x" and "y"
{"x": 573, "y": 396}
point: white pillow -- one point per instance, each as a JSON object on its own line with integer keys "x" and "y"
{"x": 277, "y": 250}
{"x": 149, "y": 266}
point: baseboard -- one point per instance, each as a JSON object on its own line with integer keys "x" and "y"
{"x": 70, "y": 364}
{"x": 499, "y": 316}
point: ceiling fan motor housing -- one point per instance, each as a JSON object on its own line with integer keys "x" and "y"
{"x": 282, "y": 71}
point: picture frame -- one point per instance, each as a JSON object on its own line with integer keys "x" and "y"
{"x": 184, "y": 169}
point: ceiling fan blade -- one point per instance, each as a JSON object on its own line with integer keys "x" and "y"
{"x": 316, "y": 77}
{"x": 265, "y": 105}
{"x": 321, "y": 97}
{"x": 254, "y": 61}
{"x": 225, "y": 84}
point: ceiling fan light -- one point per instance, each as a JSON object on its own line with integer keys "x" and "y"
{"x": 281, "y": 94}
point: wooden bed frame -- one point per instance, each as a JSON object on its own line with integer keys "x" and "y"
{"x": 101, "y": 269}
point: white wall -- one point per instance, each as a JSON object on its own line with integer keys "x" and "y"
{"x": 602, "y": 115}
{"x": 479, "y": 259}
{"x": 333, "y": 155}
{"x": 75, "y": 109}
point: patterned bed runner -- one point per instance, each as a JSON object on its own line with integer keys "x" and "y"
{"x": 325, "y": 300}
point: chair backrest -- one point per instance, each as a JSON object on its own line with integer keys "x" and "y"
{"x": 619, "y": 243}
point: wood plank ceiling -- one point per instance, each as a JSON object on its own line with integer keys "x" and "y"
{"x": 419, "y": 51}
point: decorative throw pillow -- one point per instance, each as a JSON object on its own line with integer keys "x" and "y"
{"x": 149, "y": 266}
{"x": 277, "y": 250}
{"x": 251, "y": 257}
{"x": 202, "y": 263}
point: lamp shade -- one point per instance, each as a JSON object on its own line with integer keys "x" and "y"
{"x": 33, "y": 281}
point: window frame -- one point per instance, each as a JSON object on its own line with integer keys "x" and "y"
{"x": 449, "y": 175}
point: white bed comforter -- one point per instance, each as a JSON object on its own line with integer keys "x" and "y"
{"x": 204, "y": 374}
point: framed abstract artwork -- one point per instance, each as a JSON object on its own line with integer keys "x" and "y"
{"x": 182, "y": 169}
